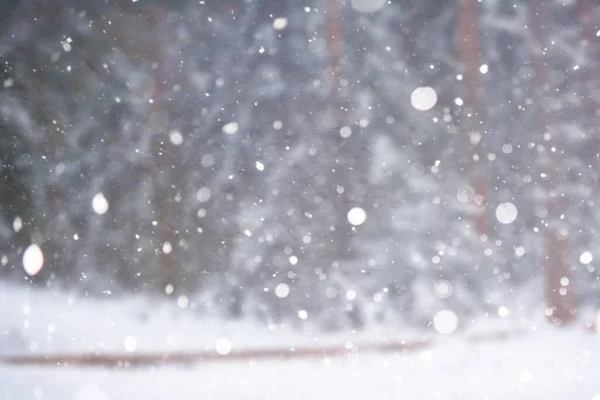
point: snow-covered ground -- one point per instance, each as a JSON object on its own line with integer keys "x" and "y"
{"x": 47, "y": 321}
{"x": 43, "y": 321}
{"x": 542, "y": 363}
{"x": 549, "y": 365}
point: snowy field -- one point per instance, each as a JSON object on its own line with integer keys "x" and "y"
{"x": 548, "y": 366}
{"x": 40, "y": 321}
{"x": 543, "y": 363}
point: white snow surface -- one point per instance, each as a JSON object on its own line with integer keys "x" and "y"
{"x": 45, "y": 321}
{"x": 543, "y": 363}
{"x": 552, "y": 365}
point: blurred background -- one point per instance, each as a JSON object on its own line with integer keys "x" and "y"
{"x": 338, "y": 163}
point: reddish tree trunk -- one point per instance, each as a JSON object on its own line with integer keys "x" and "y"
{"x": 588, "y": 10}
{"x": 334, "y": 39}
{"x": 473, "y": 113}
{"x": 559, "y": 282}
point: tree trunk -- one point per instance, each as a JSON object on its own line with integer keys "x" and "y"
{"x": 339, "y": 182}
{"x": 559, "y": 282}
{"x": 473, "y": 113}
{"x": 588, "y": 10}
{"x": 334, "y": 42}
{"x": 157, "y": 126}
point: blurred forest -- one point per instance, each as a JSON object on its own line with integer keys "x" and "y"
{"x": 270, "y": 156}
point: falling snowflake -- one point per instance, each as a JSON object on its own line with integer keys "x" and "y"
{"x": 423, "y": 98}
{"x": 176, "y": 138}
{"x": 223, "y": 346}
{"x": 357, "y": 216}
{"x": 169, "y": 289}
{"x": 17, "y": 224}
{"x": 182, "y": 301}
{"x": 230, "y": 128}
{"x": 586, "y": 257}
{"x": 100, "y": 204}
{"x": 282, "y": 290}
{"x": 130, "y": 343}
{"x": 345, "y": 132}
{"x": 208, "y": 160}
{"x": 302, "y": 314}
{"x": 33, "y": 260}
{"x": 280, "y": 23}
{"x": 203, "y": 194}
{"x": 445, "y": 321}
{"x": 442, "y": 289}
{"x": 506, "y": 213}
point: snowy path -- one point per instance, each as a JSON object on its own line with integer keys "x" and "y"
{"x": 548, "y": 365}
